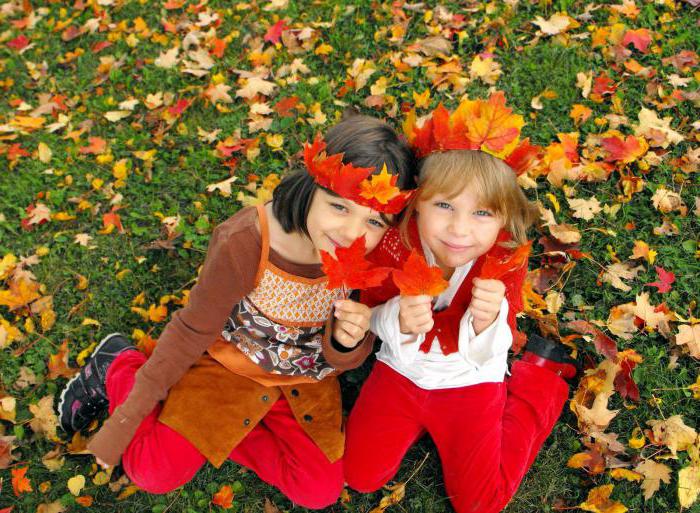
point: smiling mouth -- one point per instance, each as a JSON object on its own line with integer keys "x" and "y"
{"x": 335, "y": 243}
{"x": 455, "y": 247}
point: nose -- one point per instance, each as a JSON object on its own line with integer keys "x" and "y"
{"x": 353, "y": 229}
{"x": 460, "y": 226}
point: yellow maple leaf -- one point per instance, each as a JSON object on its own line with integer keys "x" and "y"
{"x": 599, "y": 501}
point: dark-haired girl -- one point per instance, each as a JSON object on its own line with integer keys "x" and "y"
{"x": 247, "y": 370}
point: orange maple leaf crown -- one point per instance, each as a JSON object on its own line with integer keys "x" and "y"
{"x": 486, "y": 125}
{"x": 359, "y": 184}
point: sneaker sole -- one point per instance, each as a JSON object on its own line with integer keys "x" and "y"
{"x": 62, "y": 398}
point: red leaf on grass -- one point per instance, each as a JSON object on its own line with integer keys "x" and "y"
{"x": 640, "y": 39}
{"x": 602, "y": 84}
{"x": 495, "y": 269}
{"x": 666, "y": 278}
{"x": 418, "y": 278}
{"x": 285, "y": 105}
{"x": 20, "y": 482}
{"x": 350, "y": 269}
{"x": 603, "y": 344}
{"x": 624, "y": 383}
{"x": 224, "y": 497}
{"x": 274, "y": 33}
{"x": 18, "y": 43}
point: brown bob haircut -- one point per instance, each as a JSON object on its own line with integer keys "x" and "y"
{"x": 492, "y": 180}
{"x": 365, "y": 142}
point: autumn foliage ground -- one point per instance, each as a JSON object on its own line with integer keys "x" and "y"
{"x": 129, "y": 129}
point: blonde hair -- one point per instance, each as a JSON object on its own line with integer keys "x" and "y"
{"x": 492, "y": 180}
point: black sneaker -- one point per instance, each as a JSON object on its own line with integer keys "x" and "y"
{"x": 85, "y": 395}
{"x": 553, "y": 356}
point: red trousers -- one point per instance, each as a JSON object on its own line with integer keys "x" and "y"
{"x": 487, "y": 435}
{"x": 158, "y": 459}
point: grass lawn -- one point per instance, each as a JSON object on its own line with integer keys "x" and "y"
{"x": 130, "y": 129}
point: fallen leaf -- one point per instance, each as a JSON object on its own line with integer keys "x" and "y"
{"x": 689, "y": 336}
{"x": 224, "y": 497}
{"x": 666, "y": 279}
{"x": 654, "y": 474}
{"x": 615, "y": 273}
{"x": 688, "y": 485}
{"x": 673, "y": 433}
{"x": 20, "y": 481}
{"x": 76, "y": 484}
{"x": 599, "y": 501}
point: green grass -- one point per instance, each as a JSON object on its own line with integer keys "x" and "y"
{"x": 184, "y": 165}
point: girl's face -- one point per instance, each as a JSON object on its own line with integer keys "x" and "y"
{"x": 457, "y": 230}
{"x": 335, "y": 221}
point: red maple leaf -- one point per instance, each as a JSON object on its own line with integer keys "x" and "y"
{"x": 18, "y": 43}
{"x": 285, "y": 105}
{"x": 274, "y": 33}
{"x": 350, "y": 269}
{"x": 603, "y": 344}
{"x": 99, "y": 46}
{"x": 20, "y": 482}
{"x": 624, "y": 149}
{"x": 624, "y": 382}
{"x": 224, "y": 497}
{"x": 602, "y": 84}
{"x": 495, "y": 269}
{"x": 666, "y": 278}
{"x": 179, "y": 107}
{"x": 417, "y": 278}
{"x": 640, "y": 39}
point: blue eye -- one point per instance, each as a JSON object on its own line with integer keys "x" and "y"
{"x": 483, "y": 213}
{"x": 443, "y": 204}
{"x": 377, "y": 224}
{"x": 338, "y": 206}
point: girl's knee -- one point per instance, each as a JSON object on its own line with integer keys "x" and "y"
{"x": 317, "y": 492}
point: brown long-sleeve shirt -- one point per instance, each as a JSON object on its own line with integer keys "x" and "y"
{"x": 228, "y": 274}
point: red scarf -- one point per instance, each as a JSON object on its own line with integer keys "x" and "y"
{"x": 393, "y": 253}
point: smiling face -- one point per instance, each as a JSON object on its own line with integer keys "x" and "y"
{"x": 334, "y": 221}
{"x": 457, "y": 229}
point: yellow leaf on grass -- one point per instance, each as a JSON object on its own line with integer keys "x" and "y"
{"x": 688, "y": 485}
{"x": 654, "y": 474}
{"x": 76, "y": 484}
{"x": 599, "y": 501}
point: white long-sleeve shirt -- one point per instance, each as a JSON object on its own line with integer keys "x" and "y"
{"x": 481, "y": 358}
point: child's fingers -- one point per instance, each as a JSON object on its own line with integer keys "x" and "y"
{"x": 353, "y": 318}
{"x": 408, "y": 301}
{"x": 351, "y": 329}
{"x": 483, "y": 305}
{"x": 350, "y": 306}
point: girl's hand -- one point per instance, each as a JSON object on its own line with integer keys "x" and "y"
{"x": 415, "y": 314}
{"x": 352, "y": 322}
{"x": 487, "y": 296}
{"x": 102, "y": 464}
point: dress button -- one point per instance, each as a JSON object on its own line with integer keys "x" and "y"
{"x": 246, "y": 422}
{"x": 265, "y": 398}
{"x": 295, "y": 392}
{"x": 308, "y": 418}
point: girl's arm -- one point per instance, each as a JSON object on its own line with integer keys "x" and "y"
{"x": 344, "y": 358}
{"x": 491, "y": 344}
{"x": 223, "y": 281}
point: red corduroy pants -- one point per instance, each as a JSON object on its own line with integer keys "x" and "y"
{"x": 487, "y": 435}
{"x": 159, "y": 459}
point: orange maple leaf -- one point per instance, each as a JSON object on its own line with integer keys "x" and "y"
{"x": 20, "y": 294}
{"x": 224, "y": 497}
{"x": 20, "y": 482}
{"x": 381, "y": 187}
{"x": 350, "y": 269}
{"x": 97, "y": 145}
{"x": 417, "y": 277}
{"x": 495, "y": 269}
{"x": 490, "y": 125}
{"x": 624, "y": 149}
{"x": 58, "y": 363}
{"x": 599, "y": 501}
